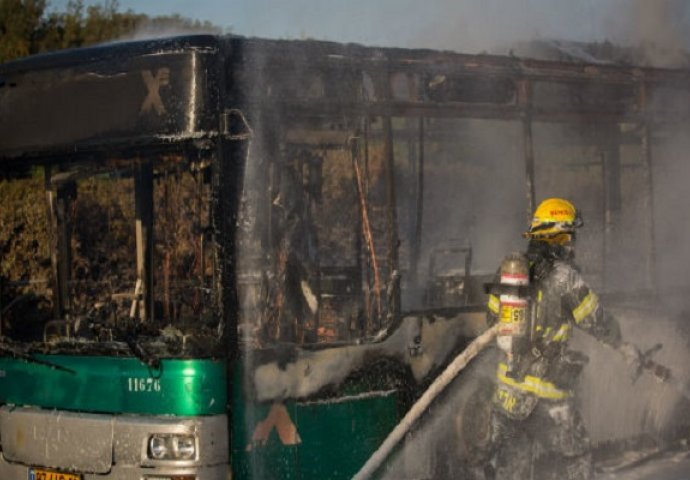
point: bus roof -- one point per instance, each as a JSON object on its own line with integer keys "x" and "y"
{"x": 172, "y": 92}
{"x": 113, "y": 96}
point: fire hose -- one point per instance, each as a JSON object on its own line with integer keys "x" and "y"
{"x": 441, "y": 382}
{"x": 374, "y": 462}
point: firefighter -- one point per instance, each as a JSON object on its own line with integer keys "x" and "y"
{"x": 536, "y": 429}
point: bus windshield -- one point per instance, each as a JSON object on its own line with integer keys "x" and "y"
{"x": 96, "y": 255}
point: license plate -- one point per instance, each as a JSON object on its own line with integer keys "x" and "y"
{"x": 42, "y": 474}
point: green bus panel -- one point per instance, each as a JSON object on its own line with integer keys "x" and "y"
{"x": 336, "y": 436}
{"x": 115, "y": 385}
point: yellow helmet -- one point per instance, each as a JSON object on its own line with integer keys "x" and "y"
{"x": 554, "y": 220}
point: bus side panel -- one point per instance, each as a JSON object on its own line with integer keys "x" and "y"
{"x": 329, "y": 438}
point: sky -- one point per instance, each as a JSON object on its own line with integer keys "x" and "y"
{"x": 462, "y": 25}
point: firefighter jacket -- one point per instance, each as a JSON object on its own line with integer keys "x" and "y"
{"x": 548, "y": 370}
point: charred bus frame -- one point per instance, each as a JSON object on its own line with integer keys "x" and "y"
{"x": 208, "y": 98}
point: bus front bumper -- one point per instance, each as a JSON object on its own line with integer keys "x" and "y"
{"x": 110, "y": 447}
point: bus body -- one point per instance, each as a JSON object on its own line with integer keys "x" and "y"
{"x": 231, "y": 256}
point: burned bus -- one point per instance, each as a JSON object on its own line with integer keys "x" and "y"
{"x": 225, "y": 256}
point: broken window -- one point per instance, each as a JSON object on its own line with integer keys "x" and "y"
{"x": 119, "y": 248}
{"x": 26, "y": 290}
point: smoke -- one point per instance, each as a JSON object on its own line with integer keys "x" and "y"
{"x": 471, "y": 197}
{"x": 661, "y": 29}
{"x": 152, "y": 29}
{"x": 615, "y": 405}
{"x": 570, "y": 163}
{"x": 449, "y": 433}
{"x": 658, "y": 29}
{"x": 672, "y": 220}
{"x": 475, "y": 192}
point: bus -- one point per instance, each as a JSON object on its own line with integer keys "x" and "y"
{"x": 229, "y": 257}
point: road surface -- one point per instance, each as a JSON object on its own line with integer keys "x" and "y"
{"x": 666, "y": 466}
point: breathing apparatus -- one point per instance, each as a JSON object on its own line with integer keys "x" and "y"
{"x": 515, "y": 312}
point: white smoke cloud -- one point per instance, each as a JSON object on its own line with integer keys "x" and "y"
{"x": 661, "y": 27}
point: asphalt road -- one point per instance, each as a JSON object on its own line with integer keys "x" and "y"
{"x": 668, "y": 466}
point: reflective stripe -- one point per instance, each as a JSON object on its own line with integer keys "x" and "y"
{"x": 494, "y": 304}
{"x": 586, "y": 307}
{"x": 537, "y": 386}
{"x": 562, "y": 333}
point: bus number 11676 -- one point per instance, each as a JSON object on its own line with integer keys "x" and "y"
{"x": 143, "y": 384}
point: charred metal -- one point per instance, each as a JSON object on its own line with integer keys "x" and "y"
{"x": 280, "y": 205}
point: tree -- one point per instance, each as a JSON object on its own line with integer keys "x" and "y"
{"x": 27, "y": 27}
{"x": 20, "y": 23}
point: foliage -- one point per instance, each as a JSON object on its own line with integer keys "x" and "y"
{"x": 28, "y": 27}
{"x": 23, "y": 230}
